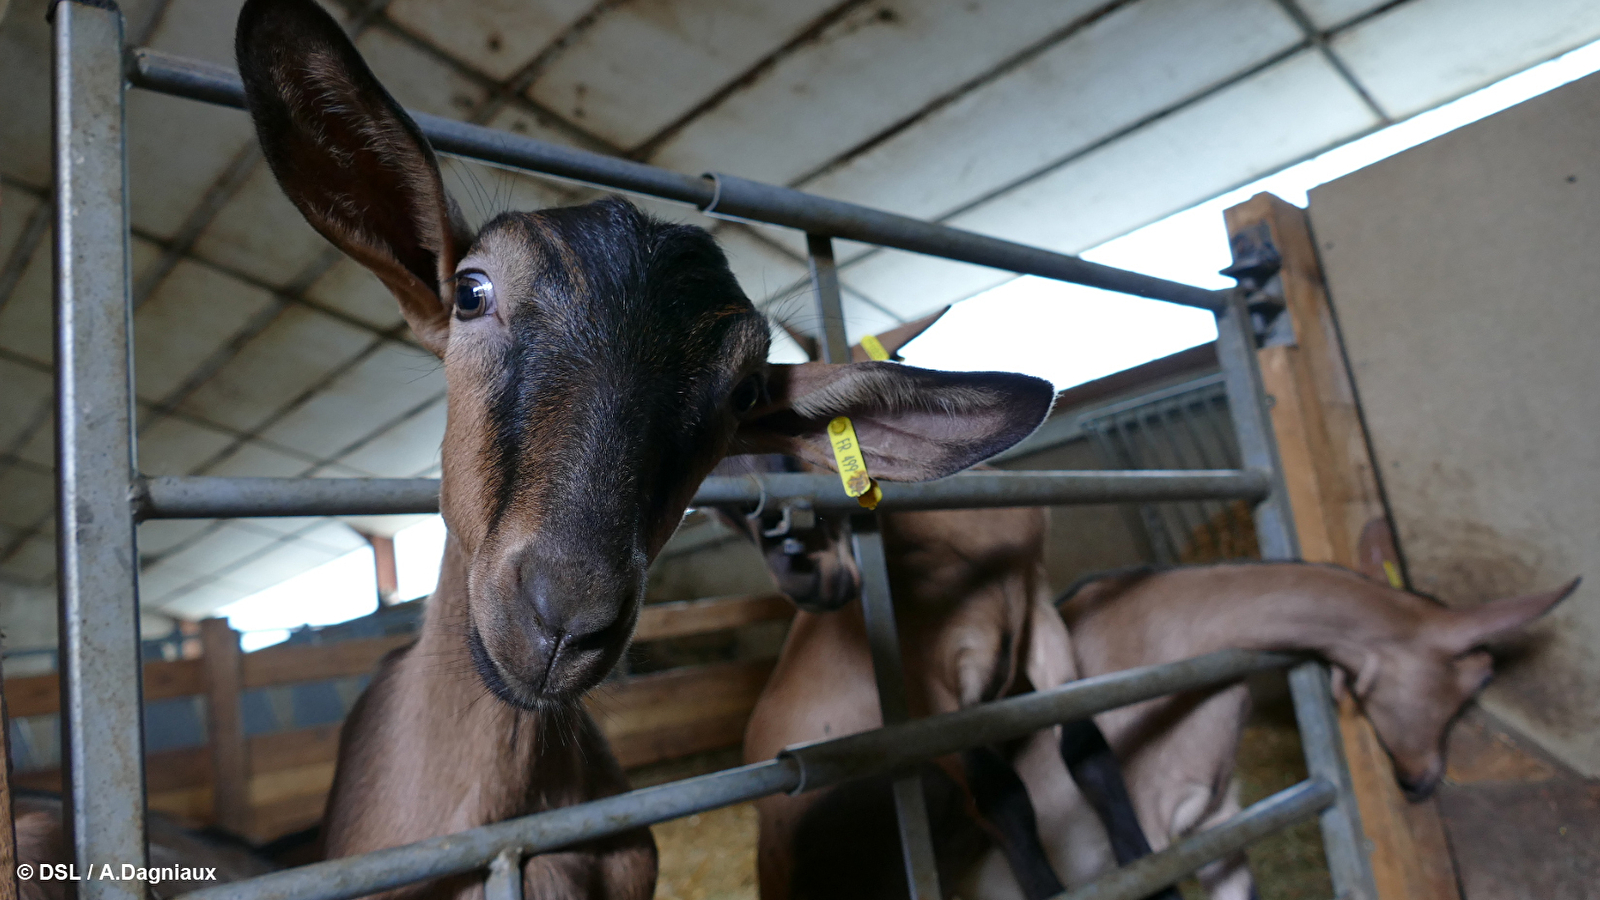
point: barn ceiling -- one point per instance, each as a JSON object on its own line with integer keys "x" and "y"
{"x": 1061, "y": 123}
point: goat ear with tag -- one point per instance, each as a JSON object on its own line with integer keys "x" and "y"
{"x": 349, "y": 157}
{"x": 913, "y": 424}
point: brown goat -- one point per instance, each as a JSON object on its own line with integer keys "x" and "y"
{"x": 599, "y": 362}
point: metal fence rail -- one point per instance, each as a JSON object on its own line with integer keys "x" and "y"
{"x": 101, "y": 497}
{"x": 801, "y": 768}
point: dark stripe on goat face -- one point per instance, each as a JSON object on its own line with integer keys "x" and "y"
{"x": 626, "y": 338}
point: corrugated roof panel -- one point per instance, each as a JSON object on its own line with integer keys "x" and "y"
{"x": 201, "y": 29}
{"x": 25, "y": 320}
{"x": 175, "y": 446}
{"x": 194, "y": 314}
{"x": 22, "y": 390}
{"x": 158, "y": 536}
{"x": 643, "y": 65}
{"x": 484, "y": 192}
{"x": 418, "y": 80}
{"x": 1289, "y": 111}
{"x": 495, "y": 37}
{"x": 279, "y": 563}
{"x": 16, "y": 209}
{"x": 261, "y": 234}
{"x": 29, "y": 495}
{"x": 1425, "y": 52}
{"x": 177, "y": 151}
{"x": 25, "y": 71}
{"x": 1330, "y": 14}
{"x": 34, "y": 561}
{"x": 406, "y": 449}
{"x": 872, "y": 69}
{"x": 1118, "y": 71}
{"x": 352, "y": 290}
{"x": 296, "y": 352}
{"x": 376, "y": 392}
{"x": 253, "y": 459}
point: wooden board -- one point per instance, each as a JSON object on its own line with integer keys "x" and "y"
{"x": 1334, "y": 495}
{"x": 685, "y": 617}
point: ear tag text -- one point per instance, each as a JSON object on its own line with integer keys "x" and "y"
{"x": 874, "y": 348}
{"x": 852, "y": 465}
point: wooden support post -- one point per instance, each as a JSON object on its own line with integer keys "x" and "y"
{"x": 1335, "y": 498}
{"x": 230, "y": 758}
{"x": 8, "y": 830}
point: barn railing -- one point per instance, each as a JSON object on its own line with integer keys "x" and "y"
{"x": 101, "y": 497}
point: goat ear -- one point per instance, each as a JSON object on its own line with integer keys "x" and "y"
{"x": 1475, "y": 627}
{"x": 348, "y": 156}
{"x": 897, "y": 337}
{"x": 913, "y": 424}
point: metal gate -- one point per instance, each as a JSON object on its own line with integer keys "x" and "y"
{"x": 101, "y": 497}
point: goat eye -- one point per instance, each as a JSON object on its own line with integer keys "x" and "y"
{"x": 474, "y": 295}
{"x": 746, "y": 395}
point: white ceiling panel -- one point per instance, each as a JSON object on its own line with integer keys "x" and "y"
{"x": 279, "y": 563}
{"x": 34, "y": 562}
{"x": 418, "y": 80}
{"x": 25, "y": 319}
{"x": 376, "y": 392}
{"x": 16, "y": 209}
{"x": 872, "y": 69}
{"x": 1283, "y": 113}
{"x": 1116, "y": 72}
{"x": 229, "y": 544}
{"x": 23, "y": 389}
{"x": 298, "y": 350}
{"x": 176, "y": 446}
{"x": 1330, "y": 14}
{"x": 25, "y": 72}
{"x": 29, "y": 495}
{"x": 200, "y": 601}
{"x": 194, "y": 314}
{"x": 1425, "y": 52}
{"x": 253, "y": 459}
{"x": 407, "y": 449}
{"x": 643, "y": 65}
{"x": 177, "y": 150}
{"x": 158, "y": 536}
{"x": 41, "y": 448}
{"x": 200, "y": 29}
{"x": 352, "y": 290}
{"x": 261, "y": 234}
{"x": 495, "y": 37}
{"x": 484, "y": 192}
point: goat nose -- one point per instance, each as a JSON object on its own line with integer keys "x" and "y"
{"x": 572, "y": 601}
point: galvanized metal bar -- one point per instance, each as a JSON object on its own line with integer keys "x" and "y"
{"x": 213, "y": 497}
{"x": 883, "y": 639}
{"x": 505, "y": 876}
{"x": 101, "y": 697}
{"x": 800, "y": 768}
{"x": 741, "y": 198}
{"x": 829, "y": 762}
{"x": 714, "y": 194}
{"x": 831, "y": 341}
{"x": 1342, "y": 837}
{"x": 1146, "y": 876}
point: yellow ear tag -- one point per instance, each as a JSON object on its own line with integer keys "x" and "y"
{"x": 852, "y": 465}
{"x": 1393, "y": 571}
{"x": 874, "y": 348}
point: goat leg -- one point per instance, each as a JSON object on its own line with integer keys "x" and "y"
{"x": 1005, "y": 811}
{"x": 1098, "y": 775}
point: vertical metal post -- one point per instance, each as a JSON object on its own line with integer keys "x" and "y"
{"x": 101, "y": 696}
{"x": 877, "y": 606}
{"x": 1342, "y": 837}
{"x": 830, "y": 309}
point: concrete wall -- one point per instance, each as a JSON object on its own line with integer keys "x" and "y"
{"x": 1465, "y": 274}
